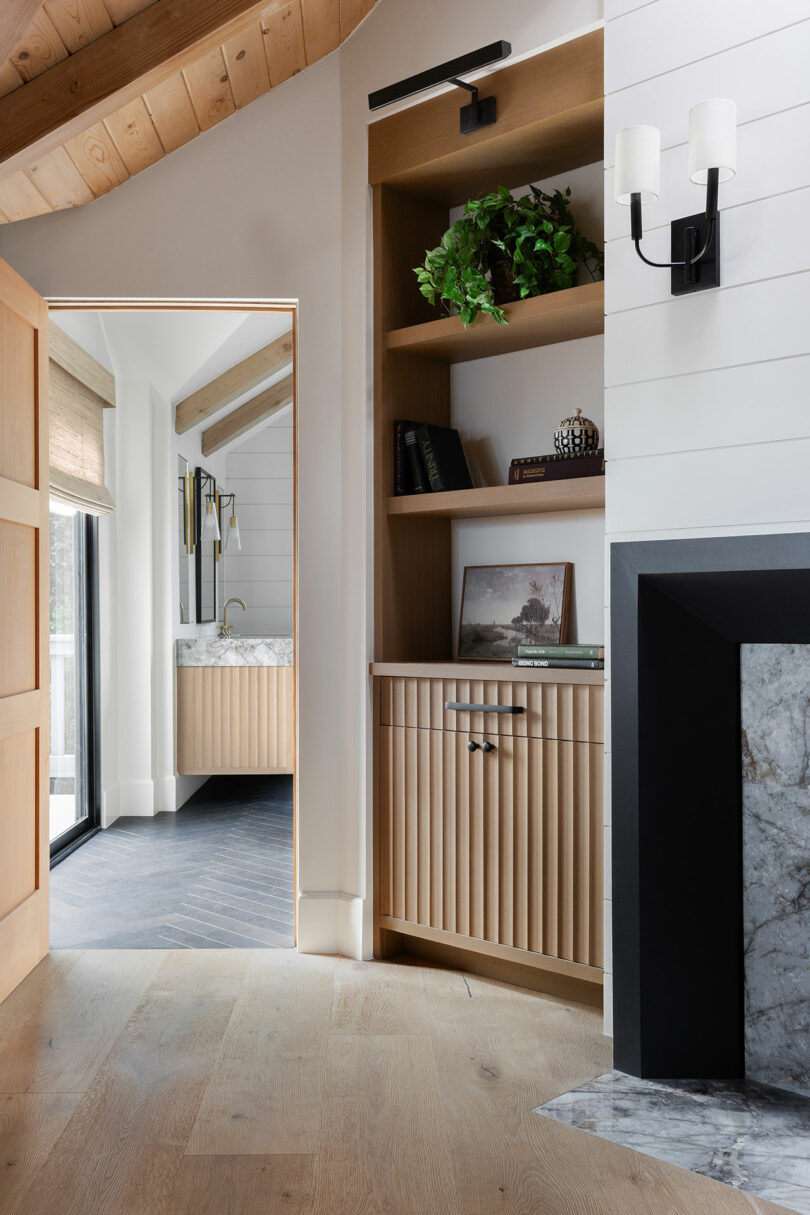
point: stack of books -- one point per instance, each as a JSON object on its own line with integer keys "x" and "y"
{"x": 428, "y": 459}
{"x": 576, "y": 657}
{"x": 556, "y": 467}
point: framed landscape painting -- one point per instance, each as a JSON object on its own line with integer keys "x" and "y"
{"x": 504, "y": 606}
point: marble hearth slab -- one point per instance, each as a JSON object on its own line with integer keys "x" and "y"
{"x": 748, "y": 1135}
{"x": 235, "y": 652}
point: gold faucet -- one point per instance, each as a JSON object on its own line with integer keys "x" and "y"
{"x": 225, "y": 628}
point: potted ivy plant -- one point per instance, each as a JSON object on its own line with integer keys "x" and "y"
{"x": 505, "y": 248}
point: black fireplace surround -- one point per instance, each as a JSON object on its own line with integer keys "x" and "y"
{"x": 679, "y": 610}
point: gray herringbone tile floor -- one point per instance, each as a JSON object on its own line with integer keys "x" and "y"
{"x": 217, "y": 874}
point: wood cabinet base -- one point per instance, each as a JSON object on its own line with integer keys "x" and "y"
{"x": 502, "y": 971}
{"x": 556, "y": 976}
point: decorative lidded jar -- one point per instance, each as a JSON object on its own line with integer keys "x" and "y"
{"x": 576, "y": 434}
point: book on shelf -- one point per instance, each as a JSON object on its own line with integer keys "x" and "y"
{"x": 574, "y": 649}
{"x": 419, "y": 479}
{"x": 561, "y": 664}
{"x": 443, "y": 458}
{"x": 557, "y": 457}
{"x": 590, "y": 464}
{"x": 403, "y": 478}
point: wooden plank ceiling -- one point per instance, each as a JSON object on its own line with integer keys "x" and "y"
{"x": 97, "y": 90}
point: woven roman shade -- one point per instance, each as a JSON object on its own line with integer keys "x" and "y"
{"x": 79, "y": 391}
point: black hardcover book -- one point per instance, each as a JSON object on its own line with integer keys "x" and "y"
{"x": 403, "y": 481}
{"x": 419, "y": 480}
{"x": 443, "y": 457}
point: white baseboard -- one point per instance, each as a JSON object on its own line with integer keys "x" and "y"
{"x": 136, "y": 798}
{"x": 330, "y": 921}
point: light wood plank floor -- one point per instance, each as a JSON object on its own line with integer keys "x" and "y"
{"x": 252, "y": 1082}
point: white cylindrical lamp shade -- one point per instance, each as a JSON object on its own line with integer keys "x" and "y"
{"x": 712, "y": 139}
{"x": 638, "y": 157}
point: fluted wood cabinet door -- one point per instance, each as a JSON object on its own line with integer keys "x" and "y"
{"x": 24, "y": 628}
{"x": 504, "y": 846}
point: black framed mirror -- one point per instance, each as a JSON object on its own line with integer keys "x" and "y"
{"x": 206, "y": 527}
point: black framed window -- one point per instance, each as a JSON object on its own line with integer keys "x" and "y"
{"x": 75, "y": 787}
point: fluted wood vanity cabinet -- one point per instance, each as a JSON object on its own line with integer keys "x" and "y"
{"x": 235, "y": 720}
{"x": 495, "y": 850}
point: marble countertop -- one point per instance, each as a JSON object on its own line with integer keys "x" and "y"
{"x": 234, "y": 652}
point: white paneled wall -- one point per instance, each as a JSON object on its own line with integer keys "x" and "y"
{"x": 260, "y": 473}
{"x": 706, "y": 412}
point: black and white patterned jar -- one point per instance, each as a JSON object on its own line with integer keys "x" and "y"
{"x": 576, "y": 434}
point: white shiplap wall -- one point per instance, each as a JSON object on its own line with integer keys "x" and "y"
{"x": 706, "y": 403}
{"x": 260, "y": 473}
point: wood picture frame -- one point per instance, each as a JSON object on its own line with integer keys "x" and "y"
{"x": 490, "y": 585}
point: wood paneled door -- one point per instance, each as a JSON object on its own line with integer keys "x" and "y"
{"x": 24, "y": 708}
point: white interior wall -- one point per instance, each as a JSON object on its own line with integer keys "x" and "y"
{"x": 274, "y": 203}
{"x": 706, "y": 396}
{"x": 260, "y": 473}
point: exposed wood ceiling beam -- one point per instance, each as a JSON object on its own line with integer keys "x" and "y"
{"x": 113, "y": 70}
{"x": 82, "y": 366}
{"x": 15, "y": 18}
{"x": 243, "y": 419}
{"x": 233, "y": 383}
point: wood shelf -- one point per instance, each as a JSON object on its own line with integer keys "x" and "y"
{"x": 578, "y": 493}
{"x": 561, "y": 316}
{"x": 500, "y": 671}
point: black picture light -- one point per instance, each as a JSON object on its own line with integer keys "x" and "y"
{"x": 481, "y": 110}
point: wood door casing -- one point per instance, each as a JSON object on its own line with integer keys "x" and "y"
{"x": 24, "y": 629}
{"x": 504, "y": 847}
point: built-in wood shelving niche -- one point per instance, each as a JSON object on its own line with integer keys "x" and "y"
{"x": 550, "y": 121}
{"x": 578, "y": 493}
{"x": 560, "y": 317}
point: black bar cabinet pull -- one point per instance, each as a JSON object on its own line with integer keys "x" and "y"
{"x": 461, "y": 707}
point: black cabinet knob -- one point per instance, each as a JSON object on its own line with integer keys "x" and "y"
{"x": 488, "y": 746}
{"x": 472, "y": 746}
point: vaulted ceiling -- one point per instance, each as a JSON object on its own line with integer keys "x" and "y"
{"x": 94, "y": 91}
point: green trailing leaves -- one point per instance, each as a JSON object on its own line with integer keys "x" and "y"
{"x": 533, "y": 240}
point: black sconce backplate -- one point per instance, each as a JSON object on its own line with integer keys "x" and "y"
{"x": 705, "y": 273}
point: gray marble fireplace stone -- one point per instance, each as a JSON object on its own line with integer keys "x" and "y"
{"x": 747, "y": 1135}
{"x": 775, "y": 682}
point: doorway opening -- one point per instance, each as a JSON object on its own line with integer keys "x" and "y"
{"x": 175, "y": 770}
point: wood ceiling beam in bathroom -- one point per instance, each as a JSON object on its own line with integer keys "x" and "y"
{"x": 243, "y": 419}
{"x": 232, "y": 383}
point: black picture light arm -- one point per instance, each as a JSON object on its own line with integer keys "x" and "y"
{"x": 480, "y": 112}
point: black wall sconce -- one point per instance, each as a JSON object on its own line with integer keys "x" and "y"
{"x": 695, "y": 239}
{"x": 481, "y": 112}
